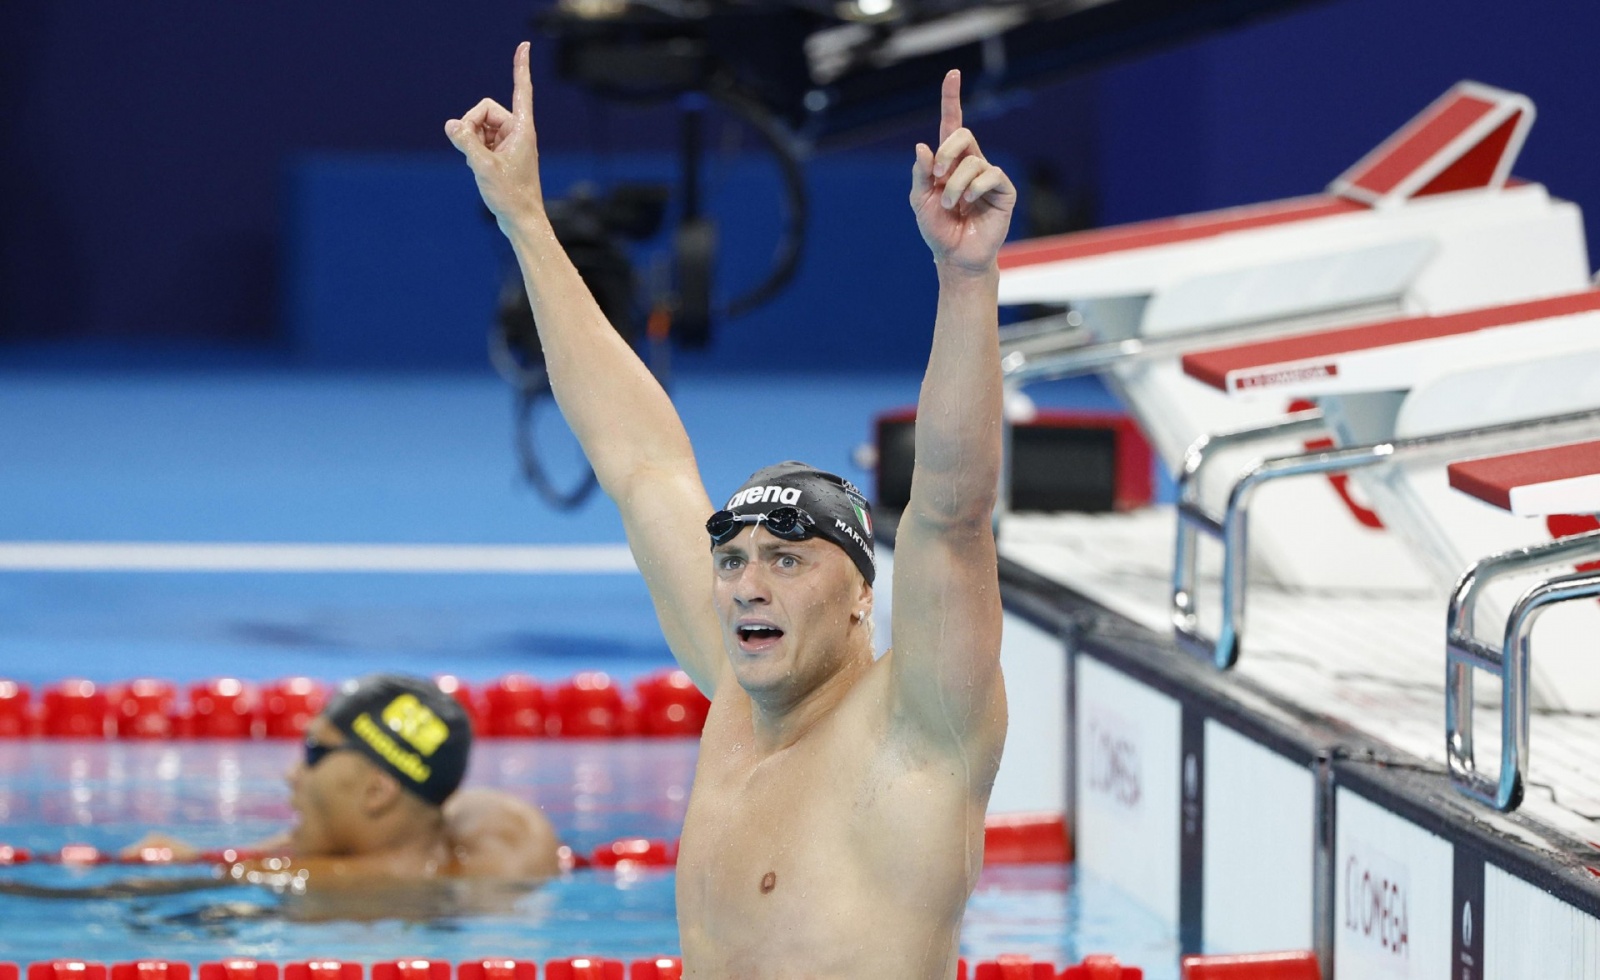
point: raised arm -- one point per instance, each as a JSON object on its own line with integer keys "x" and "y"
{"x": 946, "y": 584}
{"x": 624, "y": 421}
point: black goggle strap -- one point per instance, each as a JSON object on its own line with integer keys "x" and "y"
{"x": 789, "y": 523}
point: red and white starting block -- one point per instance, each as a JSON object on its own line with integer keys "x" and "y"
{"x": 1429, "y": 222}
{"x": 1402, "y": 399}
{"x": 1554, "y": 482}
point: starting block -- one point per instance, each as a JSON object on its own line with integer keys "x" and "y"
{"x": 1401, "y": 400}
{"x": 1556, "y": 481}
{"x": 1429, "y": 222}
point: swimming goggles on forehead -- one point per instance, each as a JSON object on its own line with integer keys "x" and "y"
{"x": 788, "y": 523}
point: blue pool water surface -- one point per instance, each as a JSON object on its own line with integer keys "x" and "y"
{"x": 222, "y": 793}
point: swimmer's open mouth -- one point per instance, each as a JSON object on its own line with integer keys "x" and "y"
{"x": 756, "y": 634}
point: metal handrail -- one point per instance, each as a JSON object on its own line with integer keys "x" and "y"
{"x": 1230, "y": 527}
{"x": 1510, "y": 661}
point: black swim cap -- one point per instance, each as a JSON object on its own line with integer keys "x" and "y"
{"x": 409, "y": 727}
{"x": 841, "y": 511}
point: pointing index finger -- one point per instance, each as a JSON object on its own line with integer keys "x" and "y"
{"x": 950, "y": 104}
{"x": 521, "y": 84}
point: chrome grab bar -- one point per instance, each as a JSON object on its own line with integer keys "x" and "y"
{"x": 1192, "y": 519}
{"x": 1223, "y": 649}
{"x": 1509, "y": 661}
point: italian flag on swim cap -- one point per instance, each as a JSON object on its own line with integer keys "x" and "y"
{"x": 862, "y": 518}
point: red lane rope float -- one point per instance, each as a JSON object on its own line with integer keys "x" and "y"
{"x": 1010, "y": 838}
{"x": 1004, "y": 967}
{"x": 588, "y": 705}
{"x": 1287, "y": 965}
{"x": 238, "y": 970}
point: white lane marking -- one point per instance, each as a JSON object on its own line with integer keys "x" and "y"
{"x": 142, "y": 556}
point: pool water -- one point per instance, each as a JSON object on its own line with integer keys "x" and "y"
{"x": 226, "y": 793}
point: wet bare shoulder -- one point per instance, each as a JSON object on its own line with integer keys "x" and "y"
{"x": 496, "y": 835}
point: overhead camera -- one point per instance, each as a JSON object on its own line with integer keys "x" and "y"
{"x": 593, "y": 229}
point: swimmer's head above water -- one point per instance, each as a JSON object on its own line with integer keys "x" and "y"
{"x": 377, "y": 792}
{"x": 381, "y": 758}
{"x": 406, "y": 726}
{"x": 792, "y": 554}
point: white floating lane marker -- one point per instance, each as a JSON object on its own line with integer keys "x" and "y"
{"x": 473, "y": 559}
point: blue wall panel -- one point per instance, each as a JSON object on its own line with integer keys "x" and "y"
{"x": 391, "y": 261}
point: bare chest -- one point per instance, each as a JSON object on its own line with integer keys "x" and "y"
{"x": 803, "y": 850}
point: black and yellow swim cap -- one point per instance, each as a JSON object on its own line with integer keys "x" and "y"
{"x": 409, "y": 727}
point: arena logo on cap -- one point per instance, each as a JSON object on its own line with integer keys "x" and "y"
{"x": 765, "y": 495}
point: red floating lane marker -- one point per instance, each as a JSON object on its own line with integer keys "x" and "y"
{"x": 1026, "y": 838}
{"x": 660, "y": 968}
{"x": 145, "y": 708}
{"x": 631, "y": 851}
{"x": 1287, "y": 965}
{"x": 411, "y": 970}
{"x": 149, "y": 855}
{"x": 571, "y": 860}
{"x": 14, "y": 714}
{"x": 1013, "y": 966}
{"x": 75, "y": 708}
{"x": 323, "y": 970}
{"x": 225, "y": 707}
{"x": 588, "y": 706}
{"x": 670, "y": 704}
{"x": 584, "y": 968}
{"x": 81, "y": 854}
{"x": 8, "y": 971}
{"x": 66, "y": 970}
{"x": 150, "y": 970}
{"x": 288, "y": 705}
{"x": 497, "y": 970}
{"x": 14, "y": 855}
{"x": 238, "y": 969}
{"x": 1101, "y": 967}
{"x": 467, "y": 698}
{"x": 514, "y": 707}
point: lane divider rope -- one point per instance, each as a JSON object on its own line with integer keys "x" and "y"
{"x": 590, "y": 704}
{"x": 1003, "y": 967}
{"x": 1009, "y": 838}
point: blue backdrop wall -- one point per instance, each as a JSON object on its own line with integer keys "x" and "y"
{"x": 166, "y": 168}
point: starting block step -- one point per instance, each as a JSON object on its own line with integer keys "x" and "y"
{"x": 1394, "y": 355}
{"x": 1537, "y": 483}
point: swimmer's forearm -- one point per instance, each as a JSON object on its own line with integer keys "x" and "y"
{"x": 958, "y": 412}
{"x": 621, "y": 416}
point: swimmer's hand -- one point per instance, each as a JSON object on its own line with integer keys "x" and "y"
{"x": 962, "y": 201}
{"x": 502, "y": 149}
{"x": 159, "y": 849}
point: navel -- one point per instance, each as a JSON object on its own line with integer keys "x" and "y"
{"x": 769, "y": 881}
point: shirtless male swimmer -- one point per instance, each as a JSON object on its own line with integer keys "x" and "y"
{"x": 375, "y": 796}
{"x": 836, "y": 823}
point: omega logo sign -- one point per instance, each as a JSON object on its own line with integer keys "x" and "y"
{"x": 1113, "y": 762}
{"x": 1375, "y": 909}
